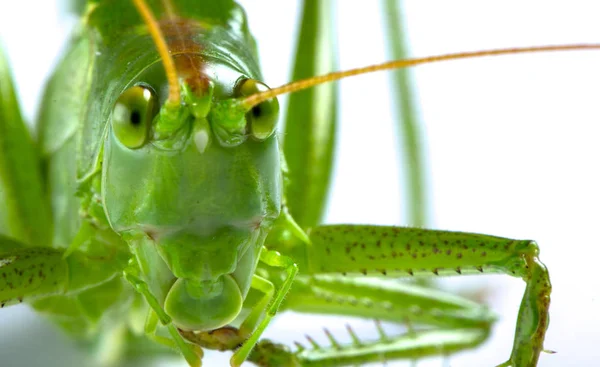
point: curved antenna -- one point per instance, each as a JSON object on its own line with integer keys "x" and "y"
{"x": 163, "y": 50}
{"x": 257, "y": 98}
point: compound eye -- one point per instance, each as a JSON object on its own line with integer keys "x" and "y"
{"x": 262, "y": 118}
{"x": 133, "y": 114}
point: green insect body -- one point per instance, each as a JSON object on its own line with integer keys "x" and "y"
{"x": 173, "y": 221}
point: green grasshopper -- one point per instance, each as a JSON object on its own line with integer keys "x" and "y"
{"x": 162, "y": 209}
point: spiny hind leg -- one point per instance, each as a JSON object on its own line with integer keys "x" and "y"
{"x": 409, "y": 346}
{"x": 397, "y": 251}
{"x": 444, "y": 323}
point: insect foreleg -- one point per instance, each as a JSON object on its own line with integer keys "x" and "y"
{"x": 277, "y": 260}
{"x": 130, "y": 274}
{"x": 151, "y": 327}
{"x": 36, "y": 272}
{"x": 385, "y": 299}
{"x": 267, "y": 289}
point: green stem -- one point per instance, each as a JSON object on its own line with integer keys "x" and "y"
{"x": 408, "y": 127}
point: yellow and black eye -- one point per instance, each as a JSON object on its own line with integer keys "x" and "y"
{"x": 262, "y": 118}
{"x": 133, "y": 114}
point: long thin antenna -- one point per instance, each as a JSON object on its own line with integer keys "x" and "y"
{"x": 163, "y": 50}
{"x": 255, "y": 99}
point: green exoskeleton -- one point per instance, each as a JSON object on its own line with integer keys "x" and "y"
{"x": 155, "y": 206}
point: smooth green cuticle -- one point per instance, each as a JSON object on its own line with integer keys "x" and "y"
{"x": 199, "y": 104}
{"x": 207, "y": 305}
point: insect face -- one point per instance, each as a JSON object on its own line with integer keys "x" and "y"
{"x": 202, "y": 187}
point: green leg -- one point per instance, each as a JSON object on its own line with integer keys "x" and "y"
{"x": 267, "y": 288}
{"x": 273, "y": 259}
{"x": 151, "y": 328}
{"x": 28, "y": 273}
{"x": 387, "y": 300}
{"x": 395, "y": 251}
{"x": 408, "y": 346}
{"x": 190, "y": 355}
{"x": 453, "y": 323}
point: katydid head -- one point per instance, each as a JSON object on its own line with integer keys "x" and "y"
{"x": 192, "y": 185}
{"x": 204, "y": 191}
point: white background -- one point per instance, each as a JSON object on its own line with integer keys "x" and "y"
{"x": 512, "y": 147}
